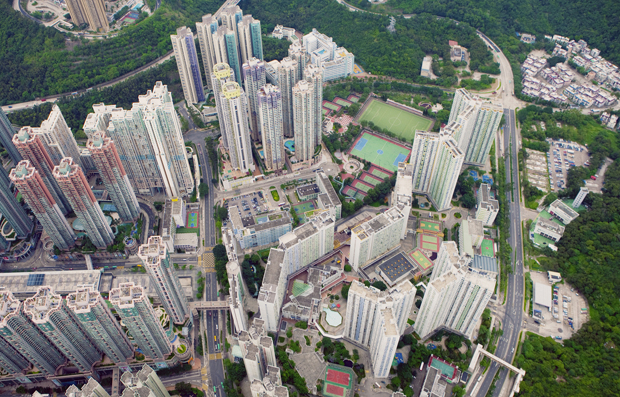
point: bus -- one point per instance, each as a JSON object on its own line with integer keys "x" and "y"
{"x": 281, "y": 204}
{"x": 214, "y": 389}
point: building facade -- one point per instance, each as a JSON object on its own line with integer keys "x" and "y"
{"x": 90, "y": 12}
{"x": 259, "y": 234}
{"x": 50, "y": 313}
{"x": 423, "y": 156}
{"x": 17, "y": 331}
{"x": 253, "y": 79}
{"x": 487, "y": 208}
{"x": 222, "y": 74}
{"x": 269, "y": 106}
{"x": 250, "y": 38}
{"x": 313, "y": 75}
{"x": 94, "y": 316}
{"x": 233, "y": 114}
{"x": 286, "y": 71}
{"x": 133, "y": 306}
{"x": 156, "y": 260}
{"x": 446, "y": 173}
{"x": 144, "y": 383}
{"x": 258, "y": 350}
{"x": 336, "y": 62}
{"x": 402, "y": 194}
{"x": 11, "y": 209}
{"x": 6, "y": 138}
{"x": 185, "y": 54}
{"x": 111, "y": 170}
{"x": 236, "y": 297}
{"x": 304, "y": 120}
{"x": 205, "y": 30}
{"x": 42, "y": 204}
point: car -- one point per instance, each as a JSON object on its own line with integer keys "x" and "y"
{"x": 576, "y": 294}
{"x": 513, "y": 350}
{"x": 10, "y": 107}
{"x": 43, "y": 100}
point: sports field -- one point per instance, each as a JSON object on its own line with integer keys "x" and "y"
{"x": 429, "y": 242}
{"x": 192, "y": 219}
{"x": 354, "y": 193}
{"x": 302, "y": 208}
{"x": 379, "y": 151}
{"x": 398, "y": 121}
{"x": 379, "y": 173}
{"x": 420, "y": 259}
{"x": 342, "y": 102}
{"x": 332, "y": 106}
{"x": 369, "y": 178}
{"x": 338, "y": 380}
{"x": 487, "y": 248}
{"x": 361, "y": 186}
{"x": 430, "y": 226}
{"x": 299, "y": 287}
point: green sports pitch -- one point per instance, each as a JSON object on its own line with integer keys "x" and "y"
{"x": 398, "y": 121}
{"x": 380, "y": 151}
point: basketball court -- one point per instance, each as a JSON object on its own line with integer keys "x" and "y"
{"x": 430, "y": 226}
{"x": 420, "y": 259}
{"x": 429, "y": 242}
{"x": 192, "y": 220}
{"x": 487, "y": 248}
{"x": 338, "y": 380}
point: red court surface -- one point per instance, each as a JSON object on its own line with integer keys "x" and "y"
{"x": 334, "y": 390}
{"x": 342, "y": 378}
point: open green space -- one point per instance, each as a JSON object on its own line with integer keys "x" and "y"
{"x": 400, "y": 122}
{"x": 275, "y": 195}
{"x": 486, "y": 248}
{"x": 380, "y": 152}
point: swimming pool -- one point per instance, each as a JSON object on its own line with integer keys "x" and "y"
{"x": 290, "y": 145}
{"x": 333, "y": 318}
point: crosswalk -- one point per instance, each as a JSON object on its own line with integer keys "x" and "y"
{"x": 215, "y": 356}
{"x": 207, "y": 261}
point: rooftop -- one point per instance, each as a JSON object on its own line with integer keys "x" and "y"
{"x": 274, "y": 266}
{"x": 395, "y": 268}
{"x": 307, "y": 190}
{"x": 63, "y": 282}
{"x": 542, "y": 294}
{"x": 42, "y": 305}
{"x": 484, "y": 263}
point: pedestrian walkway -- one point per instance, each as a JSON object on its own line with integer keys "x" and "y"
{"x": 215, "y": 356}
{"x": 207, "y": 261}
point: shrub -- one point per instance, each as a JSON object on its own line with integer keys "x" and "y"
{"x": 347, "y": 268}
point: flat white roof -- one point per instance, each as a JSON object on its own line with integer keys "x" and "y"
{"x": 542, "y": 294}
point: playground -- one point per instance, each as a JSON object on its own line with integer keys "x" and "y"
{"x": 192, "y": 219}
{"x": 430, "y": 226}
{"x": 420, "y": 259}
{"x": 302, "y": 208}
{"x": 487, "y": 248}
{"x": 398, "y": 121}
{"x": 429, "y": 242}
{"x": 379, "y": 151}
{"x": 338, "y": 380}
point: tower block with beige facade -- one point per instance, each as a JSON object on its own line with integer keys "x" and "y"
{"x": 90, "y": 12}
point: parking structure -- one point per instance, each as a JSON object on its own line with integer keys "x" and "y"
{"x": 248, "y": 204}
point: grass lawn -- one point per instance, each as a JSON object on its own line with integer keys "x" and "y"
{"x": 398, "y": 121}
{"x": 186, "y": 230}
{"x": 380, "y": 152}
{"x": 275, "y": 195}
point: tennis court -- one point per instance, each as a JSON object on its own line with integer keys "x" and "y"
{"x": 342, "y": 102}
{"x": 430, "y": 226}
{"x": 365, "y": 187}
{"x": 487, "y": 248}
{"x": 379, "y": 151}
{"x": 338, "y": 380}
{"x": 429, "y": 242}
{"x": 333, "y": 390}
{"x": 299, "y": 287}
{"x": 192, "y": 219}
{"x": 353, "y": 98}
{"x": 369, "y": 178}
{"x": 447, "y": 370}
{"x": 420, "y": 259}
{"x": 379, "y": 172}
{"x": 399, "y": 121}
{"x": 332, "y": 106}
{"x": 353, "y": 193}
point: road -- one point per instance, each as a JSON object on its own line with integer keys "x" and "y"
{"x": 213, "y": 326}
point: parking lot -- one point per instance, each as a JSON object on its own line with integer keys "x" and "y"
{"x": 566, "y": 317}
{"x": 250, "y": 204}
{"x": 562, "y": 156}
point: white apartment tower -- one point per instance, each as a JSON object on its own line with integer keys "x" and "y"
{"x": 486, "y": 208}
{"x": 164, "y": 131}
{"x": 156, "y": 260}
{"x": 205, "y": 31}
{"x": 286, "y": 72}
{"x": 377, "y": 236}
{"x": 233, "y": 115}
{"x": 272, "y": 290}
{"x": 297, "y": 52}
{"x": 222, "y": 74}
{"x": 583, "y": 192}
{"x": 236, "y": 297}
{"x": 401, "y": 195}
{"x": 249, "y": 38}
{"x": 314, "y": 75}
{"x": 304, "y": 120}
{"x": 185, "y": 54}
{"x": 269, "y": 107}
{"x": 91, "y": 389}
{"x": 253, "y": 71}
{"x": 144, "y": 383}
{"x": 133, "y": 306}
{"x": 92, "y": 312}
{"x": 258, "y": 350}
{"x": 446, "y": 173}
{"x": 423, "y": 156}
{"x": 456, "y": 295}
{"x": 377, "y": 319}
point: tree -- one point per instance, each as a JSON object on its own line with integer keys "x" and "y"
{"x": 396, "y": 382}
{"x": 203, "y": 188}
{"x": 458, "y": 391}
{"x": 345, "y": 290}
{"x": 347, "y": 268}
{"x": 468, "y": 200}
{"x": 219, "y": 251}
{"x": 380, "y": 285}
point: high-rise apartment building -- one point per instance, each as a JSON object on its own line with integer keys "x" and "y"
{"x": 402, "y": 195}
{"x": 304, "y": 120}
{"x": 156, "y": 260}
{"x": 50, "y": 313}
{"x": 111, "y": 170}
{"x": 270, "y": 386}
{"x": 236, "y": 296}
{"x": 233, "y": 115}
{"x": 286, "y": 71}
{"x": 133, "y": 144}
{"x": 41, "y": 202}
{"x": 94, "y": 316}
{"x": 144, "y": 383}
{"x": 377, "y": 236}
{"x": 28, "y": 339}
{"x": 166, "y": 137}
{"x": 6, "y": 138}
{"x": 90, "y": 12}
{"x": 258, "y": 350}
{"x": 11, "y": 361}
{"x": 75, "y": 187}
{"x": 328, "y": 199}
{"x": 12, "y": 210}
{"x": 222, "y": 74}
{"x": 297, "y": 52}
{"x": 487, "y": 208}
{"x": 314, "y": 76}
{"x": 185, "y": 54}
{"x": 250, "y": 38}
{"x": 91, "y": 389}
{"x": 56, "y": 137}
{"x": 437, "y": 161}
{"x": 253, "y": 79}
{"x": 456, "y": 295}
{"x": 30, "y": 145}
{"x": 205, "y": 29}
{"x": 377, "y": 319}
{"x": 269, "y": 106}
{"x": 583, "y": 192}
{"x": 133, "y": 306}
{"x": 480, "y": 121}
{"x": 272, "y": 290}
{"x": 336, "y": 62}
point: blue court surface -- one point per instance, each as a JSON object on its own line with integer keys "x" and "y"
{"x": 262, "y": 219}
{"x": 399, "y": 159}
{"x": 399, "y": 358}
{"x": 361, "y": 143}
{"x": 379, "y": 151}
{"x": 290, "y": 145}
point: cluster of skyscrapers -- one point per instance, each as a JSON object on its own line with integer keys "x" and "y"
{"x": 49, "y": 333}
{"x": 467, "y": 138}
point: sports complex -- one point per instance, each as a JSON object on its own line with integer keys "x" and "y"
{"x": 338, "y": 380}
{"x": 380, "y": 151}
{"x": 394, "y": 118}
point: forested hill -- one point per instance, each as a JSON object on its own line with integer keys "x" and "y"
{"x": 588, "y": 364}
{"x": 596, "y": 21}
